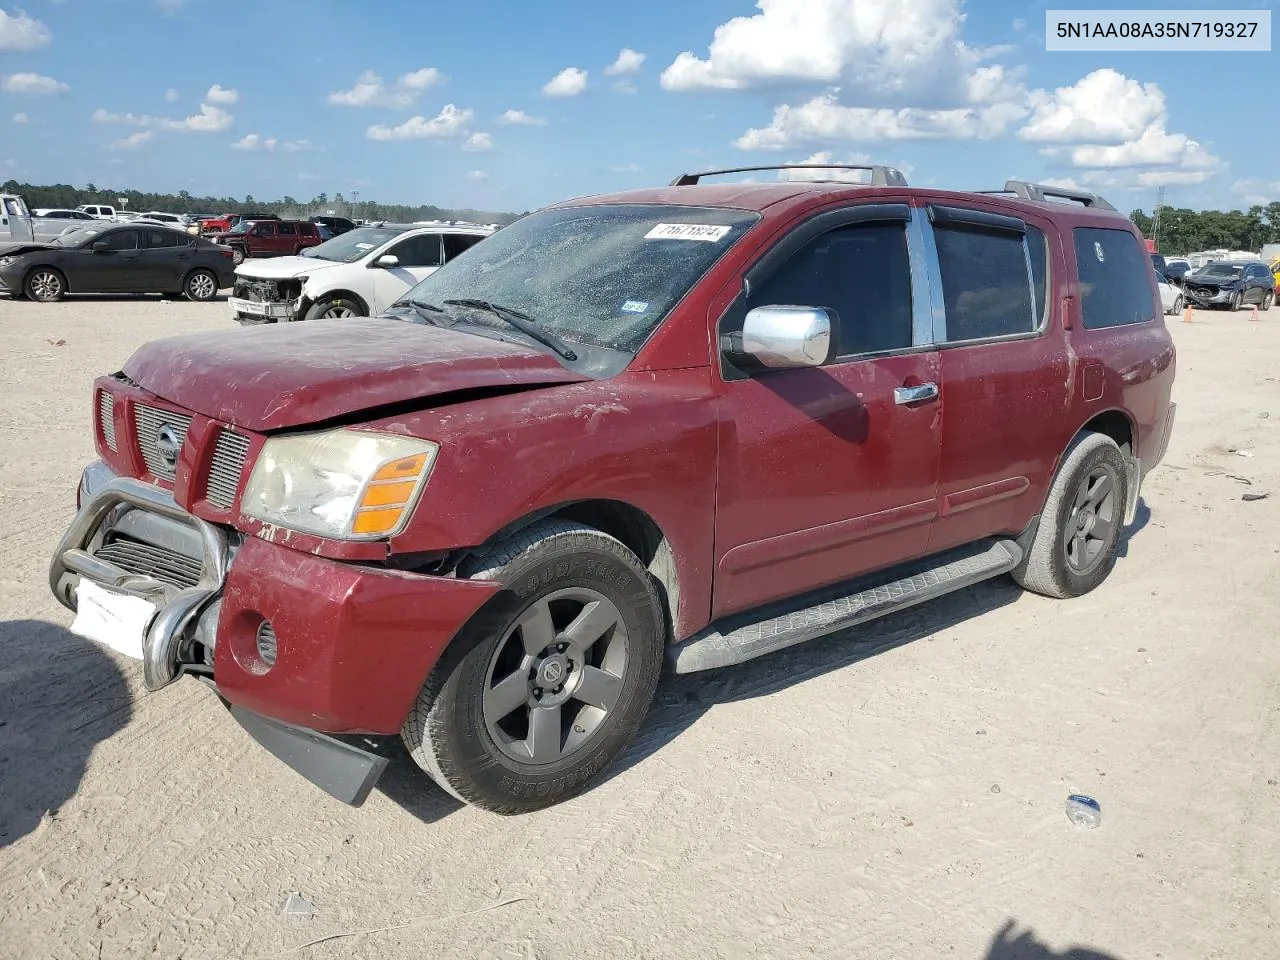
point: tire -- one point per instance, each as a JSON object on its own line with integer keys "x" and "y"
{"x": 1268, "y": 298}
{"x": 1051, "y": 567}
{"x": 201, "y": 286}
{"x": 45, "y": 285}
{"x": 1236, "y": 299}
{"x": 237, "y": 255}
{"x": 334, "y": 308}
{"x": 1178, "y": 304}
{"x": 297, "y": 251}
{"x": 485, "y": 748}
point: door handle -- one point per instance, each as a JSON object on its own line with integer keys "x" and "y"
{"x": 917, "y": 394}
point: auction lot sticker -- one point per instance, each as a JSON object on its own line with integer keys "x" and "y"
{"x": 688, "y": 231}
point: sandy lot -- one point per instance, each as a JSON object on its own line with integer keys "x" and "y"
{"x": 893, "y": 792}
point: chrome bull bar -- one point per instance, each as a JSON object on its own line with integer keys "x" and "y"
{"x": 180, "y": 611}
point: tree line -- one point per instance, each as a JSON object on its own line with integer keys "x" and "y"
{"x": 65, "y": 196}
{"x": 1188, "y": 231}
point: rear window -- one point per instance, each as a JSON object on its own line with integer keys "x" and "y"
{"x": 1115, "y": 278}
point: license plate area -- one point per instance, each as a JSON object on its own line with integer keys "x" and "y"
{"x": 115, "y": 620}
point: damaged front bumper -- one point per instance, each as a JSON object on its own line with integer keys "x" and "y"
{"x": 351, "y": 644}
{"x": 257, "y": 311}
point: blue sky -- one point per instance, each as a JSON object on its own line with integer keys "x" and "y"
{"x": 285, "y": 97}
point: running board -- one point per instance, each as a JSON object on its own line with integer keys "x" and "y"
{"x": 740, "y": 638}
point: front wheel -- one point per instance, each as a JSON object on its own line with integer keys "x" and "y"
{"x": 45, "y": 285}
{"x": 1074, "y": 549}
{"x": 547, "y": 684}
{"x": 237, "y": 256}
{"x": 1268, "y": 298}
{"x": 1177, "y": 306}
{"x": 201, "y": 286}
{"x": 335, "y": 308}
{"x": 1236, "y": 300}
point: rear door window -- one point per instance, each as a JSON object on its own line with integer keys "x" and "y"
{"x": 993, "y": 276}
{"x": 456, "y": 243}
{"x": 288, "y": 230}
{"x": 1115, "y": 280}
{"x": 161, "y": 239}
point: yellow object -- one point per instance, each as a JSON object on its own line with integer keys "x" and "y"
{"x": 389, "y": 494}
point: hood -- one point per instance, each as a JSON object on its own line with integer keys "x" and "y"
{"x": 1216, "y": 280}
{"x": 19, "y": 247}
{"x": 276, "y": 376}
{"x": 283, "y": 268}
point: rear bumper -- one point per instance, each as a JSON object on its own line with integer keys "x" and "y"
{"x": 354, "y": 643}
{"x": 1162, "y": 447}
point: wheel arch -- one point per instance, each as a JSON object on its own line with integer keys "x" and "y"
{"x": 1120, "y": 426}
{"x": 66, "y": 282}
{"x": 334, "y": 294}
{"x": 628, "y": 524}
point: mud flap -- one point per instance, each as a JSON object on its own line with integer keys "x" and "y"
{"x": 1133, "y": 467}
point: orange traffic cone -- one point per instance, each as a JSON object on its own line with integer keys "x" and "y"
{"x": 1186, "y": 313}
{"x": 1254, "y": 315}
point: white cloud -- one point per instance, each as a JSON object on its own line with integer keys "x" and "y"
{"x": 296, "y": 146}
{"x": 1260, "y": 192}
{"x": 133, "y": 141}
{"x": 219, "y": 94}
{"x": 1154, "y": 147}
{"x": 21, "y": 118}
{"x": 882, "y": 45}
{"x": 478, "y": 143}
{"x": 450, "y": 123}
{"x": 825, "y": 157}
{"x": 310, "y": 177}
{"x": 823, "y": 120}
{"x": 1063, "y": 183}
{"x": 254, "y": 142}
{"x": 171, "y": 95}
{"x": 1103, "y": 107}
{"x": 32, "y": 84}
{"x": 476, "y": 175}
{"x": 628, "y": 62}
{"x": 626, "y": 168}
{"x": 520, "y": 118}
{"x": 371, "y": 90}
{"x": 21, "y": 32}
{"x": 569, "y": 82}
{"x": 210, "y": 119}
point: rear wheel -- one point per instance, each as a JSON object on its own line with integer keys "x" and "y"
{"x": 547, "y": 684}
{"x": 1075, "y": 547}
{"x": 1177, "y": 306}
{"x": 1268, "y": 298}
{"x": 45, "y": 284}
{"x": 237, "y": 255}
{"x": 201, "y": 286}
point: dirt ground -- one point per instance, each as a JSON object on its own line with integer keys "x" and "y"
{"x": 896, "y": 791}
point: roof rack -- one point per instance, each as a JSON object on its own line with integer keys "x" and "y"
{"x": 1041, "y": 192}
{"x": 881, "y": 176}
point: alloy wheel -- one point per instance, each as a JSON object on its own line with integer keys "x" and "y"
{"x": 202, "y": 286}
{"x": 555, "y": 676}
{"x": 1093, "y": 519}
{"x": 338, "y": 311}
{"x": 46, "y": 285}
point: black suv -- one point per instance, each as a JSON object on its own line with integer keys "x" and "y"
{"x": 1231, "y": 284}
{"x": 338, "y": 225}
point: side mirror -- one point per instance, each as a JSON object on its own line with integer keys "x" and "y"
{"x": 783, "y": 337}
{"x": 100, "y": 246}
{"x": 387, "y": 261}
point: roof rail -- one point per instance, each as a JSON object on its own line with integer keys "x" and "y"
{"x": 881, "y": 176}
{"x": 1043, "y": 191}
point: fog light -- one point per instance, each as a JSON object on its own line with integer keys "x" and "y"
{"x": 267, "y": 644}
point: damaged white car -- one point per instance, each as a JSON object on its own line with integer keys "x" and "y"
{"x": 359, "y": 273}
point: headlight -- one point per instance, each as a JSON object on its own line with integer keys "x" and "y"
{"x": 5, "y": 261}
{"x": 341, "y": 484}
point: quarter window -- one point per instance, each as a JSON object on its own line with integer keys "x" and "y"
{"x": 1115, "y": 285}
{"x": 861, "y": 273}
{"x": 989, "y": 282}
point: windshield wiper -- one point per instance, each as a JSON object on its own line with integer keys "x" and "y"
{"x": 522, "y": 322}
{"x": 427, "y": 311}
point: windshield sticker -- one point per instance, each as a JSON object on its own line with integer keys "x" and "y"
{"x": 635, "y": 306}
{"x": 688, "y": 231}
{"x": 364, "y": 246}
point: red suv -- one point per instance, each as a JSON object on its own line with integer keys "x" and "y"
{"x": 699, "y": 423}
{"x": 268, "y": 238}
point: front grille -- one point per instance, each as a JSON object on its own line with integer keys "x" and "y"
{"x": 150, "y": 422}
{"x": 148, "y": 560}
{"x": 266, "y": 291}
{"x": 229, "y": 454}
{"x": 106, "y": 417}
